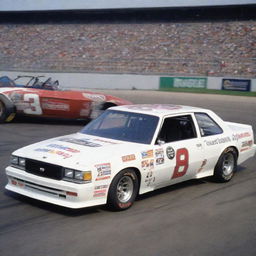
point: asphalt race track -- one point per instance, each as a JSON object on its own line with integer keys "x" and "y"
{"x": 198, "y": 217}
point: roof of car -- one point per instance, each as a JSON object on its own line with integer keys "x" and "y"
{"x": 159, "y": 109}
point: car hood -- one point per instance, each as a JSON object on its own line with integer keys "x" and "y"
{"x": 78, "y": 150}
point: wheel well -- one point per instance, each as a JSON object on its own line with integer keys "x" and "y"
{"x": 136, "y": 171}
{"x": 235, "y": 149}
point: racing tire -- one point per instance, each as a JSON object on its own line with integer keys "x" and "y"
{"x": 123, "y": 190}
{"x": 7, "y": 110}
{"x": 226, "y": 166}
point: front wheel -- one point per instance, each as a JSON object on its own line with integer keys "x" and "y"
{"x": 7, "y": 109}
{"x": 226, "y": 166}
{"x": 123, "y": 190}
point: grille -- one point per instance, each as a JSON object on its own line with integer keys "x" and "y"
{"x": 44, "y": 169}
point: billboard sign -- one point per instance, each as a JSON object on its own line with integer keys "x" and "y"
{"x": 236, "y": 84}
{"x": 183, "y": 82}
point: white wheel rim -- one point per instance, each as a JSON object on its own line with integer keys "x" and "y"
{"x": 228, "y": 164}
{"x": 125, "y": 189}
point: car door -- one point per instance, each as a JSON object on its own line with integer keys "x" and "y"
{"x": 213, "y": 139}
{"x": 181, "y": 148}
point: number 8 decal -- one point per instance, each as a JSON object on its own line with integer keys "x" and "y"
{"x": 182, "y": 160}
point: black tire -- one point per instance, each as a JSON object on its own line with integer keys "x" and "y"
{"x": 226, "y": 166}
{"x": 7, "y": 110}
{"x": 123, "y": 190}
{"x": 6, "y": 115}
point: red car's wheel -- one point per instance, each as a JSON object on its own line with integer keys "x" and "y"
{"x": 7, "y": 112}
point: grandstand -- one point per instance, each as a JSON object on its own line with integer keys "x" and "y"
{"x": 187, "y": 40}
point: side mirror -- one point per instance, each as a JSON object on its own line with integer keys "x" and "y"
{"x": 160, "y": 142}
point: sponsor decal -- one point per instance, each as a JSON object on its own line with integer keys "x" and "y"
{"x": 147, "y": 154}
{"x": 100, "y": 191}
{"x": 72, "y": 150}
{"x": 217, "y": 141}
{"x": 159, "y": 156}
{"x": 104, "y": 171}
{"x": 239, "y": 136}
{"x": 147, "y": 164}
{"x": 202, "y": 165}
{"x": 54, "y": 105}
{"x": 82, "y": 142}
{"x": 95, "y": 97}
{"x": 106, "y": 141}
{"x": 144, "y": 107}
{"x": 150, "y": 179}
{"x": 246, "y": 145}
{"x": 170, "y": 152}
{"x": 128, "y": 158}
{"x": 53, "y": 151}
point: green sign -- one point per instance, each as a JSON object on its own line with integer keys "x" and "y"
{"x": 182, "y": 82}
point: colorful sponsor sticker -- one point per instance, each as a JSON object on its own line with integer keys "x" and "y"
{"x": 100, "y": 191}
{"x": 147, "y": 164}
{"x": 128, "y": 158}
{"x": 53, "y": 151}
{"x": 159, "y": 156}
{"x": 147, "y": 154}
{"x": 104, "y": 171}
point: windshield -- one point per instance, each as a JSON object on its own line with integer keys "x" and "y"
{"x": 126, "y": 126}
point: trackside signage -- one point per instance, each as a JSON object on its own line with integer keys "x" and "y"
{"x": 236, "y": 84}
{"x": 182, "y": 82}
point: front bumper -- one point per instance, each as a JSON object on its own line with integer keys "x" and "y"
{"x": 56, "y": 192}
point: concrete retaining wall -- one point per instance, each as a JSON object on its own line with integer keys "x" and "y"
{"x": 105, "y": 81}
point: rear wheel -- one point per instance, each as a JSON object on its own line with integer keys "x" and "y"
{"x": 226, "y": 166}
{"x": 123, "y": 190}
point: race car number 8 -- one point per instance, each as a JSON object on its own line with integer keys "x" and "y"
{"x": 34, "y": 104}
{"x": 182, "y": 159}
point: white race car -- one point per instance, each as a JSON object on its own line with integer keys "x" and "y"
{"x": 130, "y": 150}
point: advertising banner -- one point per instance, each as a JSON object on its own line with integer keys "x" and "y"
{"x": 236, "y": 84}
{"x": 182, "y": 82}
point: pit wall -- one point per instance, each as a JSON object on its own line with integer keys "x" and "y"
{"x": 140, "y": 82}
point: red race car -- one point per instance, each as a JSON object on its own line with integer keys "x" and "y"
{"x": 35, "y": 97}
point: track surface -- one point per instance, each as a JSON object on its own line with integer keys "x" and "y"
{"x": 193, "y": 218}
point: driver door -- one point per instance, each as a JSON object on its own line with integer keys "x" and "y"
{"x": 182, "y": 151}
